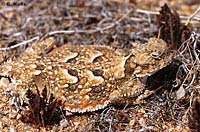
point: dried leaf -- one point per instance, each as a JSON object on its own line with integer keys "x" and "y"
{"x": 163, "y": 76}
{"x": 42, "y": 111}
{"x": 169, "y": 26}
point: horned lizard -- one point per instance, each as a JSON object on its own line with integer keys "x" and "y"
{"x": 86, "y": 77}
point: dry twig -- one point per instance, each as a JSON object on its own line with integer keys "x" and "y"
{"x": 98, "y": 29}
{"x": 193, "y": 16}
{"x": 19, "y": 44}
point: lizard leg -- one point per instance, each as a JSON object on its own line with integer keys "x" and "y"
{"x": 130, "y": 92}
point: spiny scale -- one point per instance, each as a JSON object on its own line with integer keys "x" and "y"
{"x": 84, "y": 78}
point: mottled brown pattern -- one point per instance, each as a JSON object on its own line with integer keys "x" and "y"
{"x": 86, "y": 78}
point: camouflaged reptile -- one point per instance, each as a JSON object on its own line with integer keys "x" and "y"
{"x": 85, "y": 77}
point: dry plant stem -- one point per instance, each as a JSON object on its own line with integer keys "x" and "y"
{"x": 196, "y": 37}
{"x": 98, "y": 29}
{"x": 135, "y": 19}
{"x": 183, "y": 48}
{"x": 10, "y": 9}
{"x": 29, "y": 19}
{"x": 147, "y": 12}
{"x": 192, "y": 16}
{"x": 190, "y": 105}
{"x": 192, "y": 71}
{"x": 19, "y": 44}
{"x": 58, "y": 32}
{"x": 81, "y": 31}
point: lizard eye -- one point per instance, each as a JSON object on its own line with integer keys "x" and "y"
{"x": 155, "y": 55}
